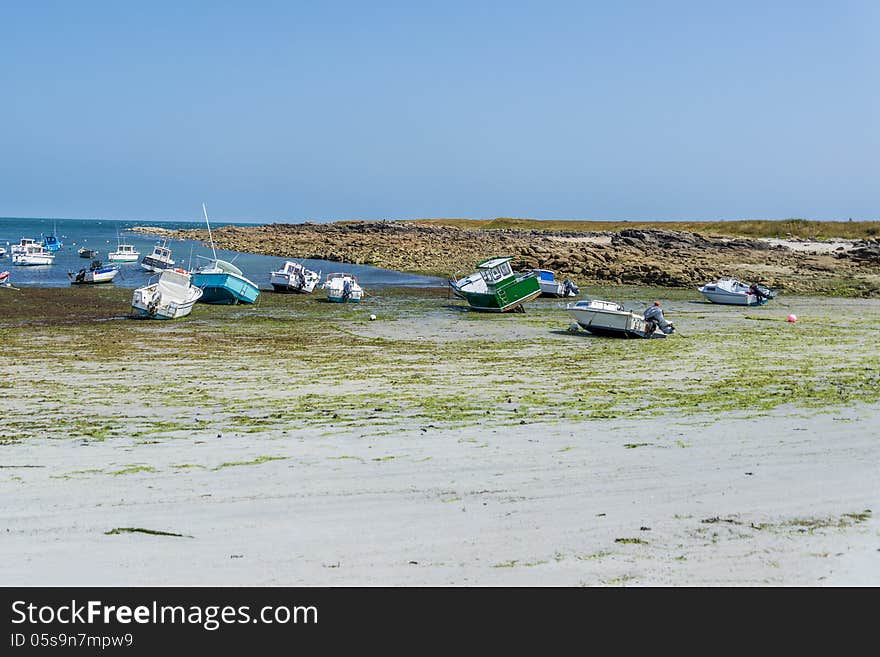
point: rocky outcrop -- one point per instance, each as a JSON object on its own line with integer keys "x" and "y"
{"x": 632, "y": 256}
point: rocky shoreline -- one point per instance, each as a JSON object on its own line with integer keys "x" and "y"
{"x": 653, "y": 257}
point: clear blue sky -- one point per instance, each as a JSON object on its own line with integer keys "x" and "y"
{"x": 290, "y": 111}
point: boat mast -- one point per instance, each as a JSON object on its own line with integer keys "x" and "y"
{"x": 210, "y": 237}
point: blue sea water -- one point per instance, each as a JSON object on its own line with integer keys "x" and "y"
{"x": 101, "y": 234}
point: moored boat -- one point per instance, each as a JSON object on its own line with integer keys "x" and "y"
{"x": 343, "y": 288}
{"x": 4, "y": 279}
{"x": 293, "y": 277}
{"x": 21, "y": 247}
{"x": 494, "y": 287}
{"x": 33, "y": 255}
{"x": 551, "y": 287}
{"x": 87, "y": 253}
{"x": 51, "y": 243}
{"x": 610, "y": 319}
{"x": 159, "y": 260}
{"x": 731, "y": 292}
{"x": 96, "y": 273}
{"x": 124, "y": 253}
{"x": 171, "y": 297}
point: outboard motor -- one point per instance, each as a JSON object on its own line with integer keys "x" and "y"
{"x": 569, "y": 289}
{"x": 655, "y": 319}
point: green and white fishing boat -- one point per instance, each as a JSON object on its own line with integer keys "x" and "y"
{"x": 495, "y": 288}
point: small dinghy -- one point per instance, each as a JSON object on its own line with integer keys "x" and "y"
{"x": 343, "y": 288}
{"x": 293, "y": 277}
{"x": 731, "y": 292}
{"x": 171, "y": 297}
{"x": 87, "y": 253}
{"x": 96, "y": 273}
{"x": 551, "y": 287}
{"x": 4, "y": 279}
{"x": 610, "y": 319}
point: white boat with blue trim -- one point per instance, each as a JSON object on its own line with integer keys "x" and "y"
{"x": 171, "y": 297}
{"x": 731, "y": 292}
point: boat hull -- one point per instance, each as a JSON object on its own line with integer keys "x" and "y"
{"x": 729, "y": 299}
{"x": 224, "y": 288}
{"x": 171, "y": 311}
{"x": 123, "y": 258}
{"x": 155, "y": 265}
{"x": 24, "y": 260}
{"x": 504, "y": 299}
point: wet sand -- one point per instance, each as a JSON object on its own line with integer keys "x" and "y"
{"x": 300, "y": 443}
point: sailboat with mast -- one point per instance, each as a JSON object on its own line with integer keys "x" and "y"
{"x": 221, "y": 281}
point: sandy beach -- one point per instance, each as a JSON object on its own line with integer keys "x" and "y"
{"x": 299, "y": 443}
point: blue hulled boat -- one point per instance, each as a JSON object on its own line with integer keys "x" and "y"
{"x": 223, "y": 283}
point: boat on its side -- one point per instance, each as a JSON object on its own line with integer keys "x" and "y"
{"x": 124, "y": 253}
{"x": 495, "y": 288}
{"x": 96, "y": 273}
{"x": 343, "y": 288}
{"x": 551, "y": 287}
{"x": 293, "y": 277}
{"x": 610, "y": 319}
{"x": 159, "y": 260}
{"x": 171, "y": 297}
{"x": 731, "y": 292}
{"x": 223, "y": 283}
{"x": 33, "y": 255}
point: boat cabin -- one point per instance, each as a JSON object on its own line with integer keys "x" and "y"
{"x": 495, "y": 270}
{"x": 161, "y": 253}
{"x": 545, "y": 275}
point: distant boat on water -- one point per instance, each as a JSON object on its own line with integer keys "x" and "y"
{"x": 87, "y": 253}
{"x": 33, "y": 255}
{"x": 51, "y": 242}
{"x": 159, "y": 260}
{"x": 221, "y": 281}
{"x": 96, "y": 273}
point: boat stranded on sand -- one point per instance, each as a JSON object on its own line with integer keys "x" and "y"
{"x": 495, "y": 288}
{"x": 343, "y": 288}
{"x": 172, "y": 296}
{"x": 550, "y": 287}
{"x": 732, "y": 292}
{"x": 221, "y": 281}
{"x": 610, "y": 319}
{"x": 96, "y": 273}
{"x": 293, "y": 277}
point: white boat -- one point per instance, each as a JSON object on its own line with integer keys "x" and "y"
{"x": 159, "y": 260}
{"x": 551, "y": 287}
{"x": 342, "y": 288}
{"x": 610, "y": 319}
{"x": 171, "y": 297}
{"x": 21, "y": 247}
{"x": 2, "y": 252}
{"x": 732, "y": 292}
{"x": 96, "y": 273}
{"x": 124, "y": 253}
{"x": 293, "y": 277}
{"x": 33, "y": 255}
